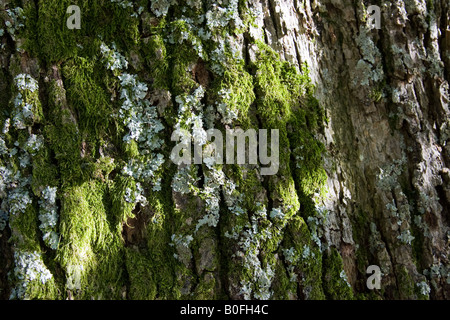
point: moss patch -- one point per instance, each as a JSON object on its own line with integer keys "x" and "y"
{"x": 336, "y": 287}
{"x": 49, "y": 37}
{"x": 90, "y": 251}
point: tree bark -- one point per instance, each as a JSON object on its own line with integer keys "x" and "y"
{"x": 93, "y": 206}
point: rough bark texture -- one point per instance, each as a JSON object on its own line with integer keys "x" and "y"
{"x": 93, "y": 207}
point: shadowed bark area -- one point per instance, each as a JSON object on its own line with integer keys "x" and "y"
{"x": 94, "y": 207}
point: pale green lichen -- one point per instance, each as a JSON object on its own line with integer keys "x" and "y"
{"x": 48, "y": 217}
{"x": 28, "y": 269}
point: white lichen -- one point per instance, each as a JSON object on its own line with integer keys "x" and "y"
{"x": 28, "y": 267}
{"x": 406, "y": 237}
{"x": 424, "y": 288}
{"x": 48, "y": 216}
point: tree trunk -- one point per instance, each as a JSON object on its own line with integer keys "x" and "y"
{"x": 93, "y": 205}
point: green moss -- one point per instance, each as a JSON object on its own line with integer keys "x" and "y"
{"x": 405, "y": 283}
{"x": 62, "y": 135}
{"x": 44, "y": 173}
{"x": 232, "y": 260}
{"x": 90, "y": 251}
{"x": 38, "y": 291}
{"x": 205, "y": 290}
{"x": 121, "y": 210}
{"x": 159, "y": 231}
{"x": 92, "y": 260}
{"x": 372, "y": 295}
{"x": 335, "y": 287}
{"x": 155, "y": 53}
{"x": 182, "y": 59}
{"x": 26, "y": 238}
{"x": 248, "y": 180}
{"x": 87, "y": 95}
{"x": 283, "y": 287}
{"x": 307, "y": 161}
{"x": 25, "y": 228}
{"x": 285, "y": 102}
{"x": 276, "y": 96}
{"x": 77, "y": 120}
{"x": 308, "y": 267}
{"x": 49, "y": 38}
{"x": 238, "y": 83}
{"x": 142, "y": 285}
